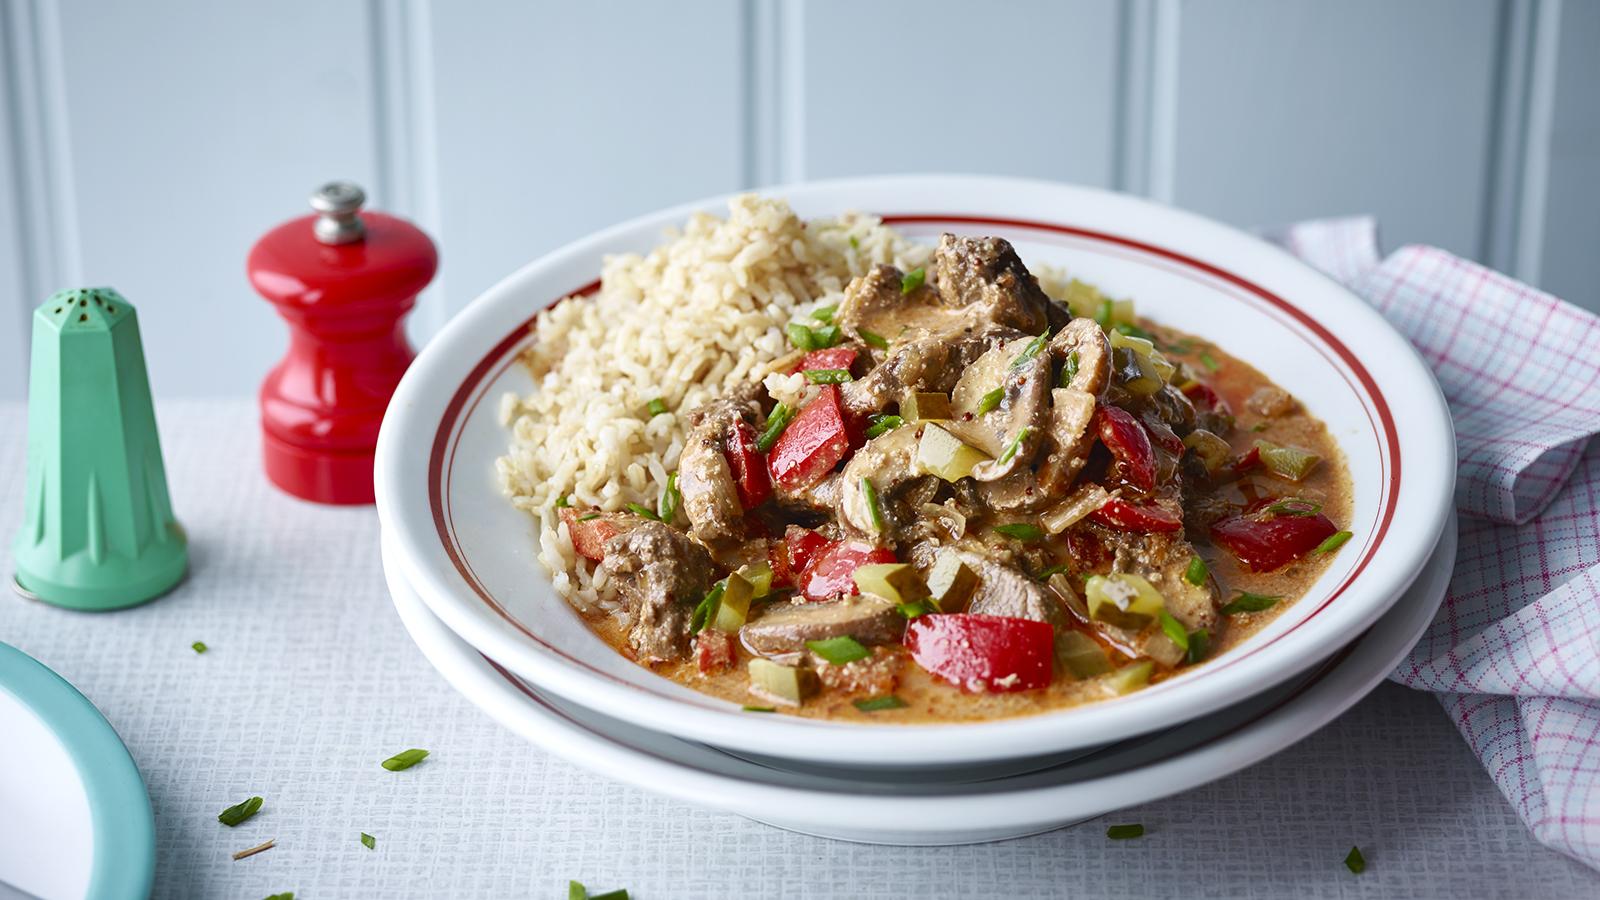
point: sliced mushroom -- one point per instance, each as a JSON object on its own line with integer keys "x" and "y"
{"x": 1013, "y": 431}
{"x": 885, "y": 462}
{"x": 1083, "y": 345}
{"x": 922, "y": 364}
{"x": 1066, "y": 449}
{"x": 710, "y": 499}
{"x": 1004, "y": 591}
{"x": 785, "y": 629}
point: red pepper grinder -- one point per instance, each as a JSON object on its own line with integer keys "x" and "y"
{"x": 343, "y": 279}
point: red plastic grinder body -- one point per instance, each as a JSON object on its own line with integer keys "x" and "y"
{"x": 343, "y": 280}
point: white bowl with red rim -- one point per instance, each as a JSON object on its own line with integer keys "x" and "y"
{"x": 472, "y": 557}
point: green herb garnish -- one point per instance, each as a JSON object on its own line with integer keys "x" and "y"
{"x": 1031, "y": 350}
{"x": 1045, "y": 573}
{"x": 1355, "y": 862}
{"x": 1132, "y": 330}
{"x": 1197, "y": 571}
{"x": 1259, "y": 427}
{"x": 667, "y": 506}
{"x": 854, "y": 244}
{"x": 1102, "y": 315}
{"x": 563, "y": 501}
{"x": 1247, "y": 602}
{"x": 877, "y": 704}
{"x": 874, "y": 508}
{"x": 1210, "y": 362}
{"x": 707, "y": 610}
{"x": 656, "y": 407}
{"x": 1174, "y": 630}
{"x": 776, "y": 423}
{"x": 873, "y": 339}
{"x": 839, "y": 650}
{"x": 199, "y": 646}
{"x": 1294, "y": 506}
{"x": 1021, "y": 531}
{"x": 233, "y": 815}
{"x": 1069, "y": 369}
{"x": 639, "y": 509}
{"x": 990, "y": 400}
{"x": 827, "y": 376}
{"x": 760, "y": 708}
{"x": 286, "y": 895}
{"x": 1016, "y": 444}
{"x": 620, "y": 894}
{"x": 801, "y": 336}
{"x": 912, "y": 609}
{"x": 1199, "y": 643}
{"x": 827, "y": 336}
{"x": 882, "y": 423}
{"x": 912, "y": 280}
{"x": 368, "y": 841}
{"x": 1125, "y": 832}
{"x": 824, "y": 314}
{"x": 1334, "y": 542}
{"x": 405, "y": 759}
{"x": 588, "y": 517}
{"x": 576, "y": 891}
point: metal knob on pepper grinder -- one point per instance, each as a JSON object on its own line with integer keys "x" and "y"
{"x": 344, "y": 279}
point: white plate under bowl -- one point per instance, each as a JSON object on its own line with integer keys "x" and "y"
{"x": 958, "y": 805}
{"x": 471, "y": 556}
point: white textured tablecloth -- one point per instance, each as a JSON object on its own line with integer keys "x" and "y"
{"x": 310, "y": 681}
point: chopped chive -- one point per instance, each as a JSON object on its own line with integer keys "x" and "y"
{"x": 854, "y": 244}
{"x": 877, "y": 704}
{"x": 707, "y": 610}
{"x": 620, "y": 894}
{"x": 913, "y": 280}
{"x": 1199, "y": 643}
{"x": 776, "y": 423}
{"x": 588, "y": 517}
{"x": 839, "y": 650}
{"x": 1197, "y": 572}
{"x": 912, "y": 609}
{"x": 1102, "y": 315}
{"x": 760, "y": 709}
{"x": 656, "y": 407}
{"x": 639, "y": 509}
{"x": 576, "y": 891}
{"x": 824, "y": 314}
{"x": 1210, "y": 362}
{"x": 1016, "y": 444}
{"x": 1174, "y": 630}
{"x": 233, "y": 815}
{"x": 1021, "y": 531}
{"x": 1125, "y": 832}
{"x": 1132, "y": 330}
{"x": 873, "y": 507}
{"x": 199, "y": 646}
{"x": 1247, "y": 602}
{"x": 826, "y": 336}
{"x": 405, "y": 759}
{"x": 990, "y": 400}
{"x": 883, "y": 424}
{"x": 563, "y": 501}
{"x": 1031, "y": 350}
{"x": 1069, "y": 369}
{"x": 1045, "y": 573}
{"x": 286, "y": 895}
{"x": 1355, "y": 862}
{"x": 667, "y": 506}
{"x": 801, "y": 336}
{"x": 1294, "y": 506}
{"x": 873, "y": 339}
{"x": 368, "y": 841}
{"x": 827, "y": 376}
{"x": 1259, "y": 427}
{"x": 1334, "y": 542}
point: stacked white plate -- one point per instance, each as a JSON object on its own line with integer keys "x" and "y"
{"x": 461, "y": 564}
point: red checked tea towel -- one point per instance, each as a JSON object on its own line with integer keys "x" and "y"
{"x": 1515, "y": 652}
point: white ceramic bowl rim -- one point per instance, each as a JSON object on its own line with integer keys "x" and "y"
{"x": 436, "y": 398}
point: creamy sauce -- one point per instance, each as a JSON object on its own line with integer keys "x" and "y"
{"x": 929, "y": 700}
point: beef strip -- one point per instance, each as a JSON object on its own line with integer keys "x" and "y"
{"x": 660, "y": 574}
{"x": 1004, "y": 591}
{"x": 1162, "y": 559}
{"x": 922, "y": 364}
{"x": 985, "y": 278}
{"x": 710, "y": 500}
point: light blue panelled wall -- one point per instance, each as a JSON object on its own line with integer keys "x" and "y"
{"x": 147, "y": 145}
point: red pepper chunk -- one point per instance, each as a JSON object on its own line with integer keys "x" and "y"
{"x": 831, "y": 358}
{"x": 830, "y": 573}
{"x": 589, "y": 536}
{"x": 812, "y": 444}
{"x": 1202, "y": 396}
{"x": 984, "y": 653}
{"x": 1265, "y": 543}
{"x": 802, "y": 546}
{"x": 1141, "y": 517}
{"x": 1130, "y": 444}
{"x": 748, "y": 467}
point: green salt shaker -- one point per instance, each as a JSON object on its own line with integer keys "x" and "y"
{"x": 98, "y": 531}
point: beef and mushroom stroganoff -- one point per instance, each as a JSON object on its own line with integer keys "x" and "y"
{"x": 818, "y": 468}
